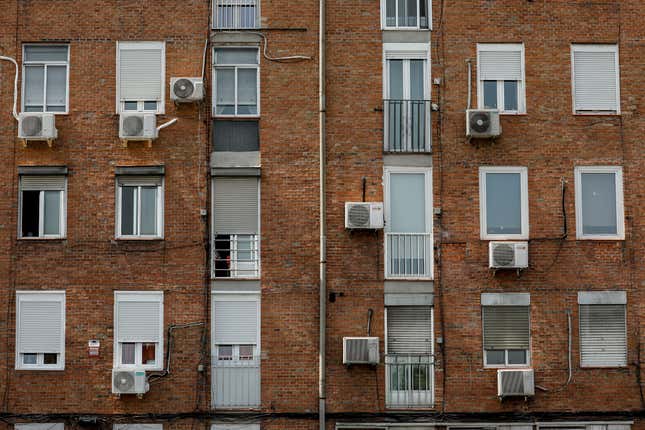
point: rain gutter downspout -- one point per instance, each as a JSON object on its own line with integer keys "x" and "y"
{"x": 322, "y": 388}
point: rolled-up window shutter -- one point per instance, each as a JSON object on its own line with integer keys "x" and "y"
{"x": 139, "y": 320}
{"x": 144, "y": 181}
{"x": 500, "y": 65}
{"x": 235, "y": 321}
{"x": 41, "y": 325}
{"x": 506, "y": 327}
{"x": 235, "y": 205}
{"x": 595, "y": 80}
{"x": 140, "y": 69}
{"x": 44, "y": 183}
{"x": 603, "y": 339}
{"x": 409, "y": 330}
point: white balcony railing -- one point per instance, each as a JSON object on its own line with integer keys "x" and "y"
{"x": 235, "y": 14}
{"x": 235, "y": 256}
{"x": 407, "y": 126}
{"x": 236, "y": 384}
{"x": 410, "y": 381}
{"x": 408, "y": 255}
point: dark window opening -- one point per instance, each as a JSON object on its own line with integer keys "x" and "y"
{"x": 30, "y": 213}
{"x": 222, "y": 260}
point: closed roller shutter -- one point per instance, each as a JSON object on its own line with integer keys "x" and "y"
{"x": 139, "y": 319}
{"x": 595, "y": 80}
{"x": 42, "y": 183}
{"x": 41, "y": 323}
{"x": 603, "y": 339}
{"x": 235, "y": 203}
{"x": 140, "y": 71}
{"x": 235, "y": 321}
{"x": 500, "y": 65}
{"x": 409, "y": 330}
{"x": 506, "y": 327}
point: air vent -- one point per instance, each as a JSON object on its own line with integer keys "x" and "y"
{"x": 508, "y": 255}
{"x": 483, "y": 123}
{"x": 186, "y": 90}
{"x": 516, "y": 382}
{"x": 359, "y": 215}
{"x": 126, "y": 381}
{"x": 32, "y": 126}
{"x": 138, "y": 126}
{"x": 360, "y": 350}
{"x": 133, "y": 126}
{"x": 37, "y": 126}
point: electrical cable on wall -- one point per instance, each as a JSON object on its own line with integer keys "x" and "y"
{"x": 15, "y": 85}
{"x": 265, "y": 54}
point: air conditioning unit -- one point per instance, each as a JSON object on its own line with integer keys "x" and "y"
{"x": 508, "y": 255}
{"x": 360, "y": 215}
{"x": 129, "y": 381}
{"x": 185, "y": 90}
{"x": 482, "y": 123}
{"x": 360, "y": 350}
{"x": 138, "y": 126}
{"x": 515, "y": 382}
{"x": 37, "y": 126}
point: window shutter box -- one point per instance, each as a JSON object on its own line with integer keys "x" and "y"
{"x": 40, "y": 326}
{"x": 144, "y": 181}
{"x": 44, "y": 183}
{"x": 506, "y": 327}
{"x": 138, "y": 320}
{"x": 140, "y": 73}
{"x": 603, "y": 339}
{"x": 500, "y": 65}
{"x": 235, "y": 321}
{"x": 235, "y": 205}
{"x": 409, "y": 330}
{"x": 595, "y": 80}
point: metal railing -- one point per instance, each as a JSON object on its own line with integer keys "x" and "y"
{"x": 236, "y": 383}
{"x": 408, "y": 255}
{"x": 235, "y": 256}
{"x": 235, "y": 14}
{"x": 407, "y": 125}
{"x": 410, "y": 381}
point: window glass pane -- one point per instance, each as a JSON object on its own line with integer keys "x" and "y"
{"x": 150, "y": 105}
{"x": 490, "y": 94}
{"x": 510, "y": 96}
{"x": 236, "y": 56}
{"x": 390, "y": 13}
{"x": 128, "y": 198}
{"x": 130, "y": 106}
{"x": 225, "y": 91}
{"x": 598, "y": 203}
{"x": 46, "y": 53}
{"x": 30, "y": 213}
{"x": 127, "y": 353}
{"x": 416, "y": 79}
{"x": 244, "y": 248}
{"x": 407, "y": 13}
{"x": 34, "y": 87}
{"x": 423, "y": 14}
{"x": 247, "y": 91}
{"x": 52, "y": 212}
{"x": 148, "y": 210}
{"x": 225, "y": 352}
{"x": 396, "y": 79}
{"x": 148, "y": 353}
{"x": 420, "y": 377}
{"x": 503, "y": 203}
{"x": 29, "y": 358}
{"x": 50, "y": 359}
{"x": 246, "y": 352}
{"x": 494, "y": 357}
{"x": 516, "y": 356}
{"x": 407, "y": 203}
{"x": 56, "y": 85}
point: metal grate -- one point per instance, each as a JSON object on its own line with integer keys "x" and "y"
{"x": 407, "y": 126}
{"x": 235, "y": 14}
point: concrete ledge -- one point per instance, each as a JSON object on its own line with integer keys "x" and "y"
{"x": 408, "y": 160}
{"x": 409, "y": 293}
{"x": 140, "y": 170}
{"x": 402, "y": 36}
{"x": 506, "y": 299}
{"x": 233, "y": 159}
{"x": 602, "y": 298}
{"x": 235, "y": 38}
{"x": 42, "y": 170}
{"x": 235, "y": 285}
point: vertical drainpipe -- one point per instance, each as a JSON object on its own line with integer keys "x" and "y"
{"x": 322, "y": 389}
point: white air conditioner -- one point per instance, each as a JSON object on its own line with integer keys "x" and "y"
{"x": 508, "y": 255}
{"x": 515, "y": 382}
{"x": 138, "y": 126}
{"x": 37, "y": 126}
{"x": 360, "y": 350}
{"x": 129, "y": 381}
{"x": 360, "y": 215}
{"x": 482, "y": 123}
{"x": 186, "y": 90}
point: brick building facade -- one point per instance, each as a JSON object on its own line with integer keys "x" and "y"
{"x": 206, "y": 238}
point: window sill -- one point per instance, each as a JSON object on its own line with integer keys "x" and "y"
{"x": 598, "y": 367}
{"x": 41, "y": 369}
{"x": 507, "y": 366}
{"x": 424, "y": 30}
{"x": 602, "y": 238}
{"x": 220, "y": 116}
{"x": 43, "y": 239}
{"x": 616, "y": 114}
{"x": 138, "y": 239}
{"x": 503, "y": 238}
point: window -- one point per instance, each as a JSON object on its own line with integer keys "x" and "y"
{"x": 42, "y": 206}
{"x": 40, "y": 330}
{"x": 230, "y": 14}
{"x": 236, "y": 250}
{"x": 503, "y": 203}
{"x": 45, "y": 70}
{"x": 500, "y": 69}
{"x": 237, "y": 84}
{"x": 406, "y": 14}
{"x": 140, "y": 207}
{"x": 408, "y": 223}
{"x": 138, "y": 329}
{"x": 595, "y": 79}
{"x": 599, "y": 202}
{"x": 236, "y": 350}
{"x": 140, "y": 77}
{"x": 409, "y": 359}
{"x": 506, "y": 329}
{"x": 39, "y": 426}
{"x": 603, "y": 328}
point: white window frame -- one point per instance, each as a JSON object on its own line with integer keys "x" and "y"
{"x": 45, "y": 64}
{"x": 407, "y": 51}
{"x": 594, "y": 48}
{"x": 235, "y": 67}
{"x": 620, "y": 210}
{"x": 120, "y": 104}
{"x": 524, "y": 205}
{"x": 134, "y": 296}
{"x": 41, "y": 215}
{"x": 160, "y": 211}
{"x": 521, "y": 87}
{"x": 384, "y": 25}
{"x": 44, "y": 295}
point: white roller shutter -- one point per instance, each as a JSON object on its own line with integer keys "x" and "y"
{"x": 141, "y": 70}
{"x": 603, "y": 338}
{"x": 139, "y": 317}
{"x": 41, "y": 323}
{"x": 595, "y": 78}
{"x": 409, "y": 330}
{"x": 235, "y": 202}
{"x": 500, "y": 65}
{"x": 235, "y": 320}
{"x": 506, "y": 327}
{"x": 42, "y": 183}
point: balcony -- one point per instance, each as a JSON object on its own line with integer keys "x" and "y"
{"x": 235, "y": 256}
{"x": 236, "y": 383}
{"x": 409, "y": 381}
{"x": 407, "y": 125}
{"x": 235, "y": 14}
{"x": 408, "y": 255}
